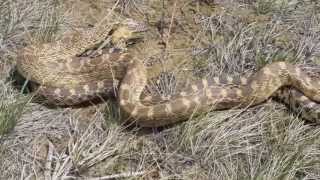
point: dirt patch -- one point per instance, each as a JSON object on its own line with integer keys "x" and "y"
{"x": 190, "y": 39}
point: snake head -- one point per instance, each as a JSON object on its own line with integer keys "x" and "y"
{"x": 128, "y": 31}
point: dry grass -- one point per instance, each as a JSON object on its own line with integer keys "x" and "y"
{"x": 234, "y": 37}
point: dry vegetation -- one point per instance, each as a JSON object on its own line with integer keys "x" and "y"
{"x": 214, "y": 37}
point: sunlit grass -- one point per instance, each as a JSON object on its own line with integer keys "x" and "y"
{"x": 264, "y": 142}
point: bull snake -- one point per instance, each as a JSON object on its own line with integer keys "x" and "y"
{"x": 67, "y": 78}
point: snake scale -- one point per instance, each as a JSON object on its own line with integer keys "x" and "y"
{"x": 65, "y": 77}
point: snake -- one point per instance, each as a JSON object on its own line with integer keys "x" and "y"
{"x": 67, "y": 75}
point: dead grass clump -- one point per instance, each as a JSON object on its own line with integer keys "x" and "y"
{"x": 232, "y": 37}
{"x": 11, "y": 108}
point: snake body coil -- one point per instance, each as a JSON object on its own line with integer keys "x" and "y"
{"x": 67, "y": 78}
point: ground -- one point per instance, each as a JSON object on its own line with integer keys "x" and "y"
{"x": 211, "y": 38}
